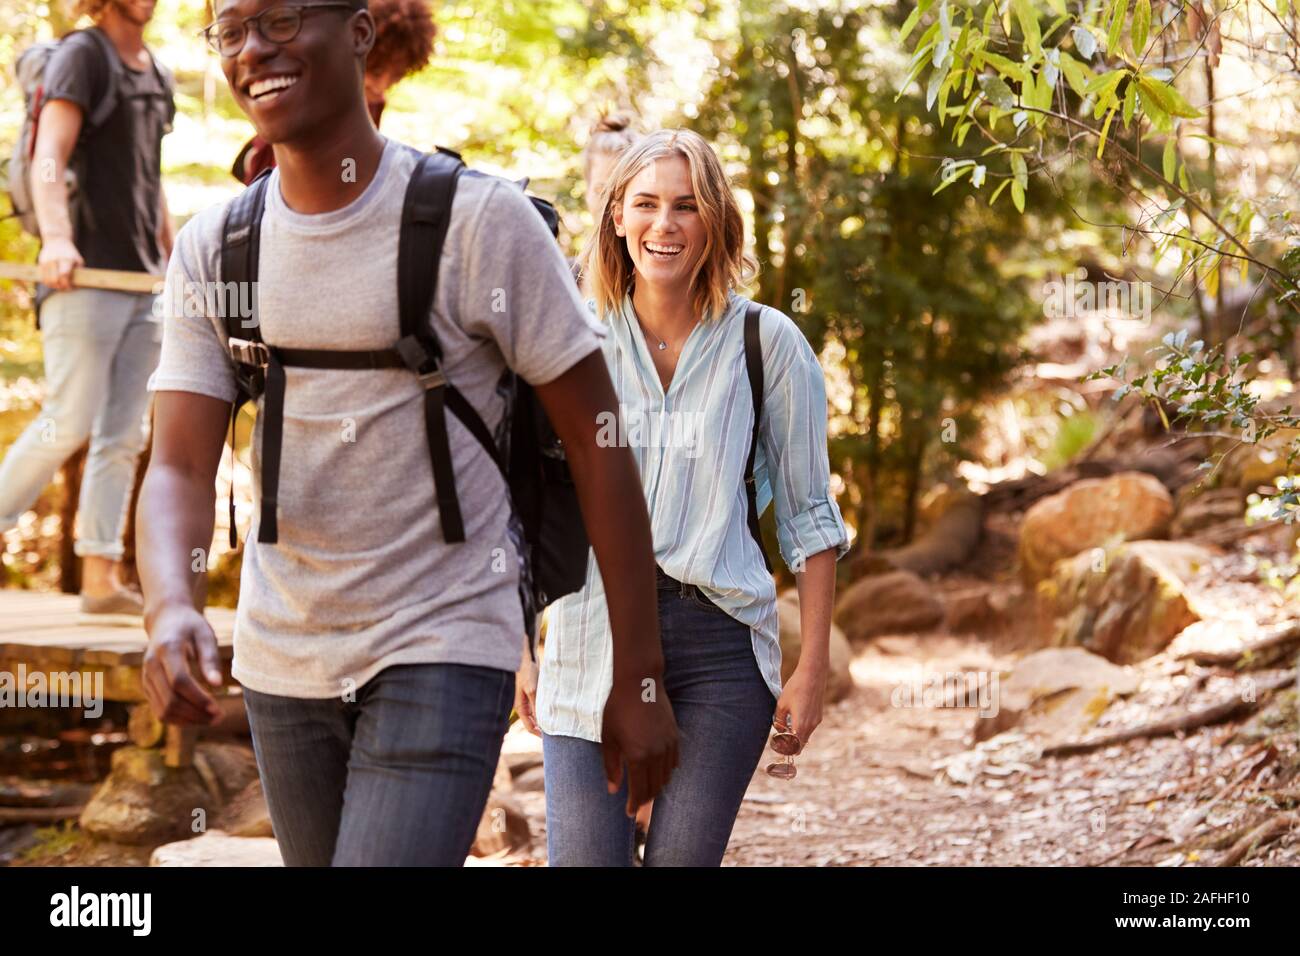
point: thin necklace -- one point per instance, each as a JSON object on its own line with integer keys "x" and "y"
{"x": 662, "y": 344}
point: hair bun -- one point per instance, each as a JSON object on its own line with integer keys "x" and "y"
{"x": 612, "y": 122}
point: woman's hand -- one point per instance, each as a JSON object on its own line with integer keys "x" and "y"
{"x": 799, "y": 708}
{"x": 526, "y": 692}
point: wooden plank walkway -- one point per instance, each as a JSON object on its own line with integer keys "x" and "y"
{"x": 39, "y": 629}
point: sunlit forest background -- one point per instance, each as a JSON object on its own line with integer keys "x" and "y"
{"x": 1047, "y": 252}
{"x": 927, "y": 304}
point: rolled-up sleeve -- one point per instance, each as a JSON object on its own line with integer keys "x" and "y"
{"x": 797, "y": 468}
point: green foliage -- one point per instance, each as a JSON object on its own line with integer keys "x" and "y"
{"x": 1031, "y": 77}
{"x": 1210, "y": 394}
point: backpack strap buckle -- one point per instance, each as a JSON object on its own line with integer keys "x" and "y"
{"x": 248, "y": 352}
{"x": 417, "y": 356}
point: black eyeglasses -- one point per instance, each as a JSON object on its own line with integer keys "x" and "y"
{"x": 277, "y": 25}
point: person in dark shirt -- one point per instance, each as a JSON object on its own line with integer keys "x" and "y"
{"x": 404, "y": 32}
{"x": 100, "y": 346}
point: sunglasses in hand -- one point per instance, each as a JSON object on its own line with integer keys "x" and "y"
{"x": 788, "y": 746}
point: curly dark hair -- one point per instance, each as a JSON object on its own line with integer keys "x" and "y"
{"x": 404, "y": 32}
{"x": 91, "y": 8}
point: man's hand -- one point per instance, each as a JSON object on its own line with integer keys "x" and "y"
{"x": 180, "y": 638}
{"x": 173, "y": 528}
{"x": 56, "y": 136}
{"x": 59, "y": 256}
{"x": 639, "y": 730}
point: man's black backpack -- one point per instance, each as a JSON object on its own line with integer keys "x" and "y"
{"x": 542, "y": 494}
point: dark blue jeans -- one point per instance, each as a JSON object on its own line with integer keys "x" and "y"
{"x": 398, "y": 777}
{"x": 724, "y": 713}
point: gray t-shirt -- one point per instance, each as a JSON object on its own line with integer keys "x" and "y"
{"x": 361, "y": 578}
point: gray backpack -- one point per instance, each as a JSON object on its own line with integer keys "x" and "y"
{"x": 30, "y": 70}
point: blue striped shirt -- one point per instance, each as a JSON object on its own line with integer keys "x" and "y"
{"x": 690, "y": 446}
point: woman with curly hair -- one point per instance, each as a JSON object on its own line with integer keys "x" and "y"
{"x": 404, "y": 32}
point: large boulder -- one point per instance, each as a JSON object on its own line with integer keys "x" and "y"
{"x": 1125, "y": 603}
{"x": 980, "y": 608}
{"x": 143, "y": 802}
{"x": 1092, "y": 513}
{"x": 1056, "y": 693}
{"x": 839, "y": 682}
{"x": 895, "y": 603}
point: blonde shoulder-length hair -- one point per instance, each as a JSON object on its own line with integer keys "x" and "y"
{"x": 723, "y": 265}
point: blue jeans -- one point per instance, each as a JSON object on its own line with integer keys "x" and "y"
{"x": 398, "y": 777}
{"x": 100, "y": 348}
{"x": 724, "y": 714}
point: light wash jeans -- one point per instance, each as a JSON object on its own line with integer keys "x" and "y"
{"x": 100, "y": 349}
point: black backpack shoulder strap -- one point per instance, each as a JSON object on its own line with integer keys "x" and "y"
{"x": 754, "y": 369}
{"x": 426, "y": 215}
{"x": 113, "y": 67}
{"x": 241, "y": 233}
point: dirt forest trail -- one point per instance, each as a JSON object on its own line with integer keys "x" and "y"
{"x": 868, "y": 791}
{"x": 891, "y": 779}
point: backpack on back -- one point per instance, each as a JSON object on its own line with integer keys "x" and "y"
{"x": 544, "y": 503}
{"x": 30, "y": 72}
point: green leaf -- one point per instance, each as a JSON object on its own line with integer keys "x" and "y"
{"x": 937, "y": 79}
{"x": 1160, "y": 120}
{"x": 1018, "y": 196}
{"x": 1009, "y": 69}
{"x": 996, "y": 89}
{"x": 1281, "y": 9}
{"x": 1028, "y": 20}
{"x": 1170, "y": 160}
{"x": 1116, "y": 25}
{"x": 1076, "y": 74}
{"x": 1141, "y": 25}
{"x": 1182, "y": 178}
{"x": 998, "y": 192}
{"x": 1019, "y": 170}
{"x": 1106, "y": 98}
{"x": 1104, "y": 82}
{"x": 1105, "y": 129}
{"x": 953, "y": 172}
{"x": 1170, "y": 100}
{"x": 910, "y": 23}
{"x": 1084, "y": 41}
{"x": 1130, "y": 102}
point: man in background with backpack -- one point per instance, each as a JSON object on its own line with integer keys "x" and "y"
{"x": 99, "y": 108}
{"x": 379, "y": 625}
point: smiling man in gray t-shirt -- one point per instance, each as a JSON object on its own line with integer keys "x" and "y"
{"x": 377, "y": 659}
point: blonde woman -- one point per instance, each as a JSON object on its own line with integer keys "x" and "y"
{"x": 664, "y": 266}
